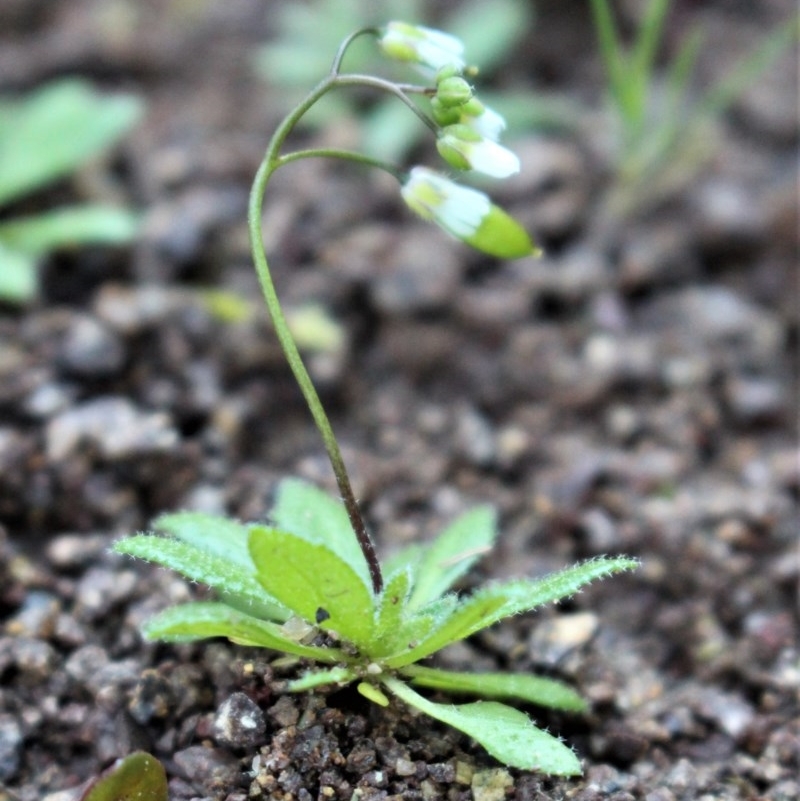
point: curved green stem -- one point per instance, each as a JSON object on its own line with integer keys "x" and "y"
{"x": 270, "y": 163}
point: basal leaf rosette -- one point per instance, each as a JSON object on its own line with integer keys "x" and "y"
{"x": 467, "y": 214}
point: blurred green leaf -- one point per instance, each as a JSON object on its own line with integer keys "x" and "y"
{"x": 18, "y": 276}
{"x": 54, "y": 130}
{"x": 138, "y": 777}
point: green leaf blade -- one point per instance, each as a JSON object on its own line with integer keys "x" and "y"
{"x": 315, "y": 516}
{"x": 237, "y": 586}
{"x": 205, "y": 619}
{"x": 56, "y": 129}
{"x": 137, "y": 777}
{"x": 452, "y": 554}
{"x": 69, "y": 227}
{"x": 507, "y": 734}
{"x": 314, "y": 582}
{"x": 533, "y": 689}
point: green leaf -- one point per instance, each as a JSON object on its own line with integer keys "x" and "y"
{"x": 313, "y": 581}
{"x": 69, "y": 227}
{"x": 18, "y": 276}
{"x": 453, "y": 553}
{"x": 213, "y": 534}
{"x": 203, "y": 619}
{"x": 502, "y": 236}
{"x": 319, "y": 678}
{"x": 495, "y": 602}
{"x": 240, "y": 587}
{"x": 312, "y": 514}
{"x": 394, "y": 602}
{"x": 448, "y": 628}
{"x": 507, "y": 734}
{"x": 137, "y": 777}
{"x": 534, "y": 689}
{"x": 56, "y": 129}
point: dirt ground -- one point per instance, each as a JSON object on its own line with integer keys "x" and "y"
{"x": 634, "y": 391}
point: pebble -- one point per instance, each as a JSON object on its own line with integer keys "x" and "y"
{"x": 491, "y": 785}
{"x": 284, "y": 712}
{"x": 553, "y": 639}
{"x": 239, "y": 722}
{"x": 729, "y": 711}
{"x": 114, "y": 425}
{"x": 90, "y": 350}
{"x": 753, "y": 399}
{"x": 11, "y": 743}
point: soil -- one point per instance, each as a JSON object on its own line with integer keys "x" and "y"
{"x": 634, "y": 391}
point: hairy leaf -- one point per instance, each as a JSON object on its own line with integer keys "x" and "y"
{"x": 239, "y": 587}
{"x": 315, "y": 516}
{"x": 198, "y": 620}
{"x": 318, "y": 678}
{"x": 316, "y": 583}
{"x": 212, "y": 534}
{"x": 495, "y": 602}
{"x": 506, "y": 733}
{"x": 393, "y": 603}
{"x": 534, "y": 689}
{"x": 452, "y": 554}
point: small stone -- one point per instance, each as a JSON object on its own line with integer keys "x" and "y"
{"x": 405, "y": 767}
{"x": 90, "y": 350}
{"x": 284, "y": 712}
{"x": 239, "y": 722}
{"x": 464, "y": 772}
{"x": 151, "y": 698}
{"x": 553, "y": 640}
{"x": 11, "y": 741}
{"x": 491, "y": 785}
{"x": 114, "y": 426}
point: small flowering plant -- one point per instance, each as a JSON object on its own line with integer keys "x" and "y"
{"x": 308, "y": 581}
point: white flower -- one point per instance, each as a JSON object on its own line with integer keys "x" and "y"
{"x": 426, "y": 48}
{"x": 458, "y": 209}
{"x": 466, "y": 149}
{"x": 488, "y": 123}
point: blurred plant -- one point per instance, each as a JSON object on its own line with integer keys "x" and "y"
{"x": 490, "y": 29}
{"x": 310, "y": 583}
{"x": 661, "y": 133}
{"x": 138, "y": 777}
{"x": 45, "y": 136}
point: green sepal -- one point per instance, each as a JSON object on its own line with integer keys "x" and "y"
{"x": 203, "y": 619}
{"x": 534, "y": 689}
{"x": 238, "y": 586}
{"x": 314, "y": 582}
{"x": 500, "y": 235}
{"x": 506, "y": 733}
